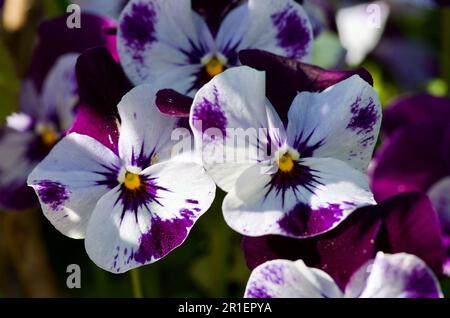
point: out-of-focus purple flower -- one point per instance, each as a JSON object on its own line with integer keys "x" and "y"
{"x": 133, "y": 207}
{"x": 48, "y": 99}
{"x": 415, "y": 155}
{"x": 166, "y": 41}
{"x": 387, "y": 276}
{"x": 405, "y": 223}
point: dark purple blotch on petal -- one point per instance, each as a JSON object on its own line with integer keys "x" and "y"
{"x": 363, "y": 118}
{"x": 138, "y": 27}
{"x": 421, "y": 284}
{"x": 52, "y": 193}
{"x": 209, "y": 114}
{"x": 302, "y": 220}
{"x": 163, "y": 237}
{"x": 293, "y": 32}
{"x": 286, "y": 77}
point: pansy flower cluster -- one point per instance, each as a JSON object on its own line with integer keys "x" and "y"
{"x": 289, "y": 144}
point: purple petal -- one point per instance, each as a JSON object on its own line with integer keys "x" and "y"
{"x": 345, "y": 249}
{"x": 286, "y": 77}
{"x": 415, "y": 109}
{"x": 339, "y": 252}
{"x": 411, "y": 225}
{"x": 172, "y": 103}
{"x": 56, "y": 39}
{"x": 412, "y": 160}
{"x": 102, "y": 85}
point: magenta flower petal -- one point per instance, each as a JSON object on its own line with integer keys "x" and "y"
{"x": 392, "y": 226}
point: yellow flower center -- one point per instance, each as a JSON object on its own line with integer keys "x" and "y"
{"x": 214, "y": 67}
{"x": 286, "y": 163}
{"x": 132, "y": 181}
{"x": 48, "y": 136}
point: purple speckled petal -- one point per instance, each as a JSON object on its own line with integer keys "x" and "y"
{"x": 287, "y": 279}
{"x": 102, "y": 84}
{"x": 124, "y": 234}
{"x": 394, "y": 276}
{"x": 158, "y": 38}
{"x": 281, "y": 27}
{"x": 71, "y": 179}
{"x": 17, "y": 161}
{"x": 286, "y": 77}
{"x": 413, "y": 159}
{"x": 297, "y": 209}
{"x": 345, "y": 249}
{"x": 341, "y": 122}
{"x": 234, "y": 101}
{"x": 55, "y": 39}
{"x": 415, "y": 109}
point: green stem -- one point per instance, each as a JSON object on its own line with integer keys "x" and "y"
{"x": 136, "y": 283}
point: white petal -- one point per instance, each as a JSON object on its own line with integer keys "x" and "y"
{"x": 120, "y": 237}
{"x": 145, "y": 133}
{"x": 60, "y": 90}
{"x": 394, "y": 276}
{"x": 360, "y": 28}
{"x": 325, "y": 193}
{"x": 70, "y": 181}
{"x": 439, "y": 194}
{"x": 341, "y": 122}
{"x": 278, "y": 26}
{"x": 287, "y": 279}
{"x": 231, "y": 118}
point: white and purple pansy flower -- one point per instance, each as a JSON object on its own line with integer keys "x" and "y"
{"x": 31, "y": 133}
{"x": 387, "y": 276}
{"x": 299, "y": 179}
{"x": 166, "y": 40}
{"x": 134, "y": 207}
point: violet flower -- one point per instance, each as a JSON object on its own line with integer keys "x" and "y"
{"x": 132, "y": 207}
{"x": 415, "y": 155}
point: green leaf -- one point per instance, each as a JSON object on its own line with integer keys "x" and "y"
{"x": 9, "y": 84}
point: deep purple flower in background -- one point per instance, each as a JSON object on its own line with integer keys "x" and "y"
{"x": 406, "y": 223}
{"x": 48, "y": 97}
{"x": 386, "y": 276}
{"x": 415, "y": 155}
{"x": 312, "y": 179}
{"x": 169, "y": 42}
{"x": 133, "y": 206}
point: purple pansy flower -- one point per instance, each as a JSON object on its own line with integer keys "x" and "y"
{"x": 48, "y": 97}
{"x": 406, "y": 223}
{"x": 415, "y": 155}
{"x": 310, "y": 175}
{"x": 111, "y": 8}
{"x": 166, "y": 40}
{"x": 132, "y": 207}
{"x": 387, "y": 276}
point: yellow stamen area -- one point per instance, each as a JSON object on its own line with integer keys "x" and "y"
{"x": 214, "y": 67}
{"x": 49, "y": 136}
{"x": 286, "y": 163}
{"x": 132, "y": 181}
